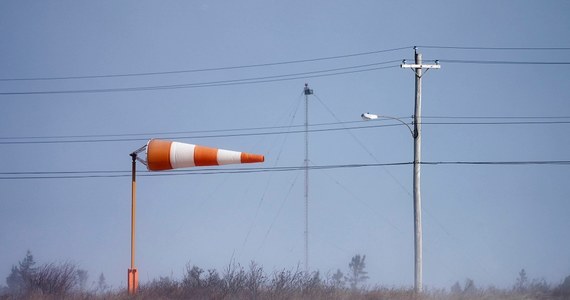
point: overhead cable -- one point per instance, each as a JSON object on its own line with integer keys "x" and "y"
{"x": 210, "y": 69}
{"x": 145, "y": 137}
{"x": 167, "y": 133}
{"x": 251, "y": 80}
{"x": 200, "y": 171}
{"x": 503, "y": 62}
{"x": 497, "y": 48}
{"x": 298, "y": 61}
{"x": 189, "y": 137}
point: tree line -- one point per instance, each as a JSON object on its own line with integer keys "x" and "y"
{"x": 27, "y": 280}
{"x": 57, "y": 280}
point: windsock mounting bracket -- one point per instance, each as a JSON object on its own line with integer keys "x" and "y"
{"x": 135, "y": 155}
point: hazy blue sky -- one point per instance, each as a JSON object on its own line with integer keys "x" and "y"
{"x": 484, "y": 222}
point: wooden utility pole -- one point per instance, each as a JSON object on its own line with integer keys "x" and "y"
{"x": 417, "y": 134}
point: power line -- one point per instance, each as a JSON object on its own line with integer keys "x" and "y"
{"x": 210, "y": 69}
{"x": 503, "y": 62}
{"x": 176, "y": 132}
{"x": 498, "y": 123}
{"x": 509, "y": 163}
{"x": 101, "y": 174}
{"x": 496, "y": 117}
{"x": 497, "y": 48}
{"x": 87, "y": 139}
{"x": 273, "y": 78}
{"x": 168, "y": 133}
{"x": 298, "y": 61}
{"x": 252, "y": 80}
{"x": 114, "y": 174}
{"x": 496, "y": 62}
{"x": 194, "y": 137}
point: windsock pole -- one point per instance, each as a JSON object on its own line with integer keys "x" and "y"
{"x": 133, "y": 277}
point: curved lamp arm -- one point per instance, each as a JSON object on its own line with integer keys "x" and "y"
{"x": 369, "y": 116}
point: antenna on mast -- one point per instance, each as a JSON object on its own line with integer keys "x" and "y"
{"x": 307, "y": 92}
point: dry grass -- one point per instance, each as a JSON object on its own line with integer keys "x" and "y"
{"x": 237, "y": 282}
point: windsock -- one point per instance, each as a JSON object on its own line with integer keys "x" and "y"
{"x": 167, "y": 155}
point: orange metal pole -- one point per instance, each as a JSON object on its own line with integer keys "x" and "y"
{"x": 133, "y": 210}
{"x": 133, "y": 278}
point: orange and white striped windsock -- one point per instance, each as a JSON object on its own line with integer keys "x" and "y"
{"x": 167, "y": 155}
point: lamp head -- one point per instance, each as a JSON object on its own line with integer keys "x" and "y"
{"x": 368, "y": 116}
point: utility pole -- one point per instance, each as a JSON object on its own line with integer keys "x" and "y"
{"x": 417, "y": 134}
{"x": 307, "y": 92}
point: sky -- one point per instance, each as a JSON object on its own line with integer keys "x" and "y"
{"x": 83, "y": 84}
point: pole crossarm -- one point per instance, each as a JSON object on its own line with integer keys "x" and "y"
{"x": 419, "y": 66}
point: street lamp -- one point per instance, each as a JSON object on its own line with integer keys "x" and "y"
{"x": 368, "y": 117}
{"x": 417, "y": 194}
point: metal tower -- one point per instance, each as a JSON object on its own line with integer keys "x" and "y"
{"x": 307, "y": 92}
